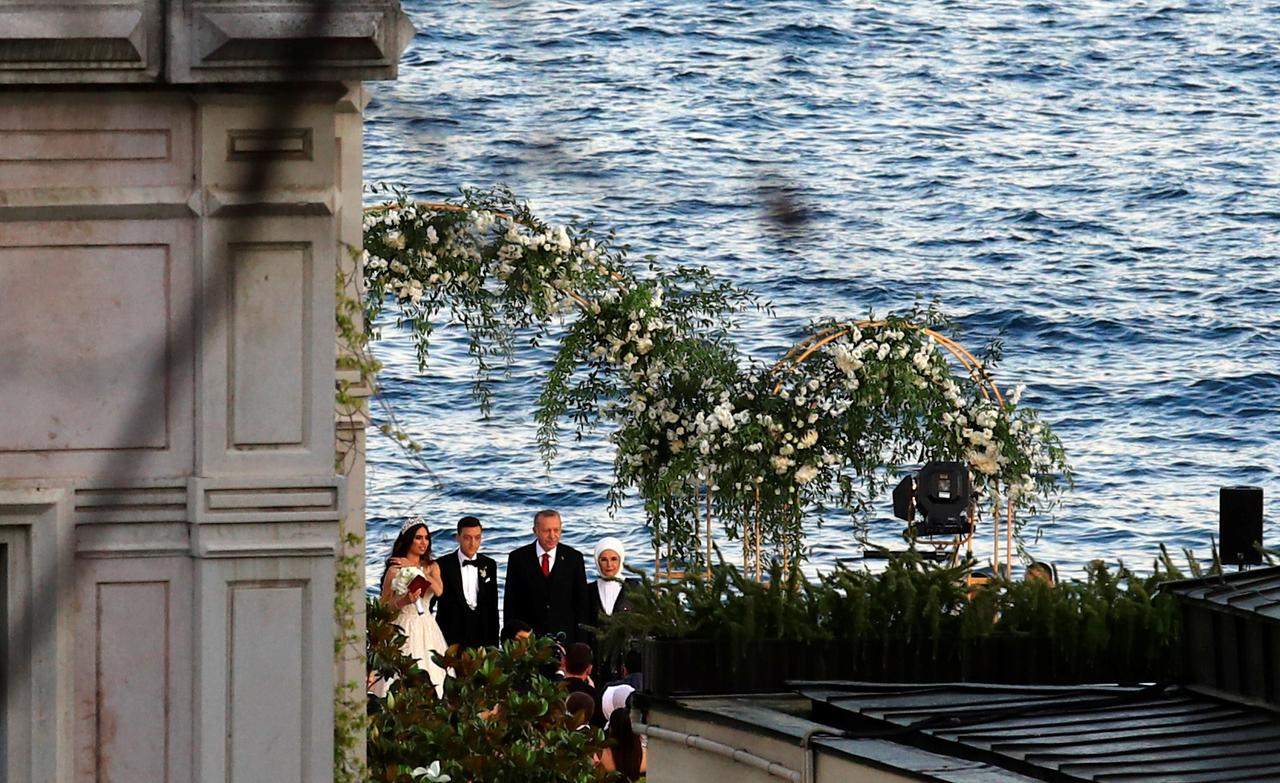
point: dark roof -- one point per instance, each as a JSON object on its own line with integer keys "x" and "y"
{"x": 1255, "y": 592}
{"x": 1116, "y": 734}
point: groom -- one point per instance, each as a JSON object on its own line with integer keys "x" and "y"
{"x": 547, "y": 583}
{"x": 468, "y": 609}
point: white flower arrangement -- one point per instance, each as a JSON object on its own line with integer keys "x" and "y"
{"x": 404, "y": 577}
{"x": 652, "y": 355}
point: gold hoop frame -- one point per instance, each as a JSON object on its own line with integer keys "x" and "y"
{"x": 791, "y": 360}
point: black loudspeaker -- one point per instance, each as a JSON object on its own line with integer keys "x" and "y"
{"x": 1240, "y": 525}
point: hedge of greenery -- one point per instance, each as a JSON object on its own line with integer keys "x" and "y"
{"x": 914, "y": 622}
{"x": 500, "y": 718}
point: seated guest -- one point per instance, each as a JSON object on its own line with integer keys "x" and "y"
{"x": 626, "y": 753}
{"x": 1040, "y": 571}
{"x": 630, "y": 673}
{"x": 581, "y": 708}
{"x": 616, "y": 697}
{"x": 577, "y": 677}
{"x": 515, "y": 629}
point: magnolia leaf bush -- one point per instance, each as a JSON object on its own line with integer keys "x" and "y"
{"x": 500, "y": 718}
{"x": 649, "y": 352}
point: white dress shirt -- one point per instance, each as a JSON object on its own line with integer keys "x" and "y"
{"x": 609, "y": 592}
{"x": 470, "y": 580}
{"x": 551, "y": 564}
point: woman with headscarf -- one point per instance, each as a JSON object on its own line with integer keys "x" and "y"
{"x": 608, "y": 596}
{"x": 608, "y": 592}
{"x": 615, "y": 698}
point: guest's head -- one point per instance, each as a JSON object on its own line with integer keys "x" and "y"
{"x": 577, "y": 660}
{"x": 516, "y": 629}
{"x": 1040, "y": 571}
{"x": 469, "y": 535}
{"x": 546, "y": 527}
{"x": 580, "y": 703}
{"x": 414, "y": 541}
{"x": 625, "y": 743}
{"x": 609, "y": 555}
{"x": 615, "y": 697}
{"x": 631, "y": 662}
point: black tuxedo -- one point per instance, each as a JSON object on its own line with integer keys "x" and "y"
{"x": 556, "y": 603}
{"x": 459, "y": 623}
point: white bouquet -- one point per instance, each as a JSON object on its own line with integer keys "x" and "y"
{"x": 408, "y": 579}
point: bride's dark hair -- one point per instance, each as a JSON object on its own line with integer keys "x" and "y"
{"x": 401, "y": 547}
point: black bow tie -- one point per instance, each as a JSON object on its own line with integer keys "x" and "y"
{"x": 471, "y": 563}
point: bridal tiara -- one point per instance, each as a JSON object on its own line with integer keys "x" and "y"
{"x": 411, "y": 521}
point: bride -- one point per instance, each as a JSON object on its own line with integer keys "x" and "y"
{"x": 412, "y": 550}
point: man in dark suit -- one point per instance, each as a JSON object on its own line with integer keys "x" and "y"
{"x": 468, "y": 609}
{"x": 547, "y": 583}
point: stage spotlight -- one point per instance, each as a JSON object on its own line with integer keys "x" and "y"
{"x": 942, "y": 492}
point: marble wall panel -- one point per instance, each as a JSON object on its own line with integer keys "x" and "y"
{"x": 35, "y": 537}
{"x": 265, "y": 657}
{"x": 133, "y": 672}
{"x": 245, "y": 138}
{"x": 94, "y": 144}
{"x": 98, "y": 366}
{"x": 267, "y": 680}
{"x": 268, "y": 352}
{"x": 145, "y": 520}
{"x": 271, "y": 335}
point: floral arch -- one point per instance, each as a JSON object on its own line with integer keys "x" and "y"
{"x": 702, "y": 431}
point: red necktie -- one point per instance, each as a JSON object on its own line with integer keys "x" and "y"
{"x": 546, "y": 564}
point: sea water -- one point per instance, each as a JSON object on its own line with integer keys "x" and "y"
{"x": 1094, "y": 182}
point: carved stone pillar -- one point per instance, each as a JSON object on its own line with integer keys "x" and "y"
{"x": 178, "y": 182}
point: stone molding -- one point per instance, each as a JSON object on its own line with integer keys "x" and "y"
{"x": 200, "y": 41}
{"x": 147, "y": 520}
{"x": 283, "y": 517}
{"x": 35, "y": 532}
{"x": 117, "y": 41}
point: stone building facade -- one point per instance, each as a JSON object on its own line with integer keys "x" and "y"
{"x": 179, "y": 183}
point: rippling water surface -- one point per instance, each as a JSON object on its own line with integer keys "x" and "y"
{"x": 1096, "y": 181}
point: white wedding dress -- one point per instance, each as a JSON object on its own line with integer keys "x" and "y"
{"x": 424, "y": 639}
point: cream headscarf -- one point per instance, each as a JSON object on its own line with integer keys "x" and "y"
{"x": 614, "y": 698}
{"x": 609, "y": 542}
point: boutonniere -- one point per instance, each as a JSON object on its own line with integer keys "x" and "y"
{"x": 485, "y": 574}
